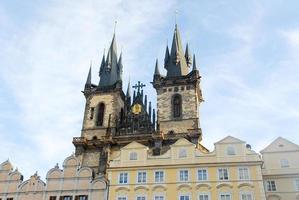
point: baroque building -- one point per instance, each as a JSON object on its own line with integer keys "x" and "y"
{"x": 130, "y": 149}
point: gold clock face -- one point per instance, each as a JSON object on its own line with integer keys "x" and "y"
{"x": 136, "y": 109}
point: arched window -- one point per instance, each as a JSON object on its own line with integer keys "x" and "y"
{"x": 177, "y": 105}
{"x": 101, "y": 111}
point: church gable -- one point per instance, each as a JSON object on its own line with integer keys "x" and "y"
{"x": 281, "y": 145}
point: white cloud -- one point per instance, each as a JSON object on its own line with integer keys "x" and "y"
{"x": 47, "y": 63}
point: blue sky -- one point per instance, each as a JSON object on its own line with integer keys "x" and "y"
{"x": 247, "y": 52}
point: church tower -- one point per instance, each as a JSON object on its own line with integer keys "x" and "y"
{"x": 178, "y": 93}
{"x": 104, "y": 105}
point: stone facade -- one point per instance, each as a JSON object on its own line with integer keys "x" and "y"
{"x": 244, "y": 174}
{"x": 72, "y": 180}
{"x": 281, "y": 170}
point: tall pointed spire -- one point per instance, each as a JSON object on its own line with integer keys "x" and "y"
{"x": 177, "y": 64}
{"x": 88, "y": 80}
{"x": 194, "y": 63}
{"x": 120, "y": 66}
{"x": 188, "y": 56}
{"x": 167, "y": 56}
{"x": 157, "y": 72}
{"x": 129, "y": 89}
{"x": 102, "y": 64}
{"x": 111, "y": 68}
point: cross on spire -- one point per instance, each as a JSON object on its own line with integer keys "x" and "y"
{"x": 138, "y": 86}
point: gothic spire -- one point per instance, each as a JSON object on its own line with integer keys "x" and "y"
{"x": 102, "y": 64}
{"x": 88, "y": 80}
{"x": 177, "y": 64}
{"x": 111, "y": 68}
{"x": 166, "y": 59}
{"x": 129, "y": 89}
{"x": 194, "y": 63}
{"x": 157, "y": 72}
{"x": 120, "y": 66}
{"x": 188, "y": 56}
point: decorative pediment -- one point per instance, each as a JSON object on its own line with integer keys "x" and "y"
{"x": 230, "y": 140}
{"x": 245, "y": 185}
{"x": 281, "y": 145}
{"x": 220, "y": 185}
{"x": 134, "y": 145}
{"x": 182, "y": 142}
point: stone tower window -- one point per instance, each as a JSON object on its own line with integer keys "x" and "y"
{"x": 101, "y": 111}
{"x": 177, "y": 106}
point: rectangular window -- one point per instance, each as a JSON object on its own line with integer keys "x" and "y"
{"x": 81, "y": 197}
{"x": 284, "y": 163}
{"x": 243, "y": 173}
{"x": 67, "y": 197}
{"x": 246, "y": 196}
{"x": 225, "y": 197}
{"x": 184, "y": 176}
{"x": 9, "y": 199}
{"x": 121, "y": 198}
{"x": 184, "y": 197}
{"x": 123, "y": 178}
{"x": 141, "y": 177}
{"x": 223, "y": 174}
{"x": 141, "y": 198}
{"x": 297, "y": 184}
{"x": 271, "y": 186}
{"x": 159, "y": 176}
{"x": 52, "y": 198}
{"x": 159, "y": 197}
{"x": 203, "y": 197}
{"x": 202, "y": 175}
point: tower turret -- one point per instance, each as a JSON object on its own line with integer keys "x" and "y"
{"x": 178, "y": 93}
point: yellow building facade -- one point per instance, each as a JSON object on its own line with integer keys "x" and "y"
{"x": 185, "y": 172}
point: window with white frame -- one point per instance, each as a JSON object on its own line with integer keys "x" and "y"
{"x": 67, "y": 197}
{"x": 184, "y": 197}
{"x": 184, "y": 175}
{"x": 246, "y": 196}
{"x": 223, "y": 174}
{"x": 123, "y": 178}
{"x": 297, "y": 184}
{"x": 121, "y": 198}
{"x": 270, "y": 185}
{"x": 158, "y": 197}
{"x": 133, "y": 156}
{"x": 141, "y": 197}
{"x": 159, "y": 176}
{"x": 202, "y": 174}
{"x": 182, "y": 153}
{"x": 141, "y": 177}
{"x": 284, "y": 163}
{"x": 203, "y": 197}
{"x": 230, "y": 150}
{"x": 243, "y": 173}
{"x": 225, "y": 197}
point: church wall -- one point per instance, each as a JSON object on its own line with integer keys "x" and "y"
{"x": 190, "y": 111}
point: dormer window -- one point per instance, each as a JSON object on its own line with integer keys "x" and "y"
{"x": 182, "y": 153}
{"x": 101, "y": 111}
{"x": 133, "y": 156}
{"x": 230, "y": 150}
